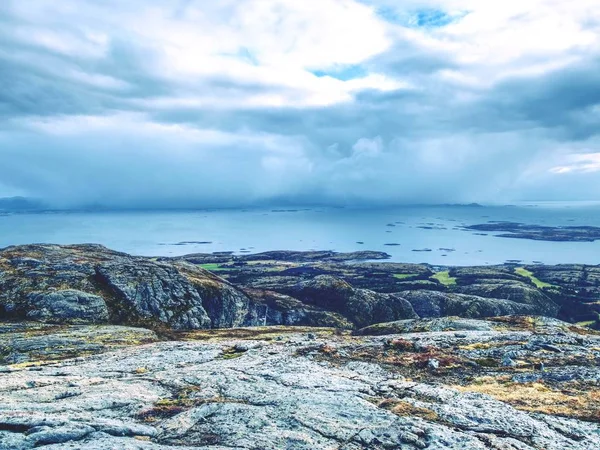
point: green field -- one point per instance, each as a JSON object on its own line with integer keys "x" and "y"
{"x": 528, "y": 274}
{"x": 404, "y": 276}
{"x": 213, "y": 267}
{"x": 445, "y": 278}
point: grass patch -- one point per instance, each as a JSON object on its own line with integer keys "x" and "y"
{"x": 213, "y": 267}
{"x": 570, "y": 401}
{"x": 445, "y": 278}
{"x": 267, "y": 333}
{"x": 405, "y": 276}
{"x": 522, "y": 271}
{"x": 181, "y": 401}
{"x": 406, "y": 409}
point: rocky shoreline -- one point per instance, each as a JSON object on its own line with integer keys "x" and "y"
{"x": 297, "y": 350}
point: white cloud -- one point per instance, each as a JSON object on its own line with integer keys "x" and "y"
{"x": 584, "y": 162}
{"x": 334, "y": 100}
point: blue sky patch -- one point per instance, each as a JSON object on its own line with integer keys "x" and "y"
{"x": 424, "y": 18}
{"x": 343, "y": 73}
{"x": 434, "y": 18}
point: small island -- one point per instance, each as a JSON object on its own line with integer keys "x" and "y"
{"x": 539, "y": 232}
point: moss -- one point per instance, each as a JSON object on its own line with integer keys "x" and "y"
{"x": 160, "y": 412}
{"x": 25, "y": 365}
{"x": 445, "y": 278}
{"x": 522, "y": 271}
{"x": 231, "y": 355}
{"x": 181, "y": 401}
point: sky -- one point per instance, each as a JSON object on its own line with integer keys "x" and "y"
{"x": 199, "y": 103}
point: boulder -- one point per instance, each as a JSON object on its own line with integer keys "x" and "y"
{"x": 67, "y": 306}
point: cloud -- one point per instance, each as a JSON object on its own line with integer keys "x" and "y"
{"x": 197, "y": 103}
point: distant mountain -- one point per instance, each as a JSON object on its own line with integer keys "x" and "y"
{"x": 20, "y": 204}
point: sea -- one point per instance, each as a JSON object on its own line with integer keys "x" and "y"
{"x": 415, "y": 234}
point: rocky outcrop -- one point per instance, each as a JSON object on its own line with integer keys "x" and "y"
{"x": 513, "y": 291}
{"x": 429, "y": 304}
{"x": 425, "y": 325}
{"x": 92, "y": 284}
{"x": 363, "y": 307}
{"x": 273, "y": 308}
{"x": 22, "y": 342}
{"x": 66, "y": 306}
{"x": 575, "y": 287}
{"x": 315, "y": 391}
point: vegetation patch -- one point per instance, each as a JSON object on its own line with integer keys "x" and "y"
{"x": 405, "y": 276}
{"x": 403, "y": 345}
{"x": 571, "y": 400}
{"x": 267, "y": 333}
{"x": 213, "y": 267}
{"x": 527, "y": 323}
{"x": 183, "y": 400}
{"x": 406, "y": 409}
{"x": 522, "y": 271}
{"x": 445, "y": 278}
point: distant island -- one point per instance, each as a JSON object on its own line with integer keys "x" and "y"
{"x": 21, "y": 204}
{"x": 539, "y": 232}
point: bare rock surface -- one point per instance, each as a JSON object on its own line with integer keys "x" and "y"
{"x": 439, "y": 304}
{"x": 89, "y": 283}
{"x": 361, "y": 306}
{"x": 28, "y": 341}
{"x": 280, "y": 389}
{"x": 67, "y": 306}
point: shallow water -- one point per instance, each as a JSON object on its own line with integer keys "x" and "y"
{"x": 158, "y": 233}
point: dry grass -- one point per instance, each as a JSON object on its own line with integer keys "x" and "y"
{"x": 479, "y": 346}
{"x": 403, "y": 345}
{"x": 570, "y": 401}
{"x": 251, "y": 333}
{"x": 183, "y": 401}
{"x": 406, "y": 409}
{"x": 527, "y": 323}
{"x": 328, "y": 350}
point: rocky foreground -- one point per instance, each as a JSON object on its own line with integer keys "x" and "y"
{"x": 511, "y": 383}
{"x": 293, "y": 350}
